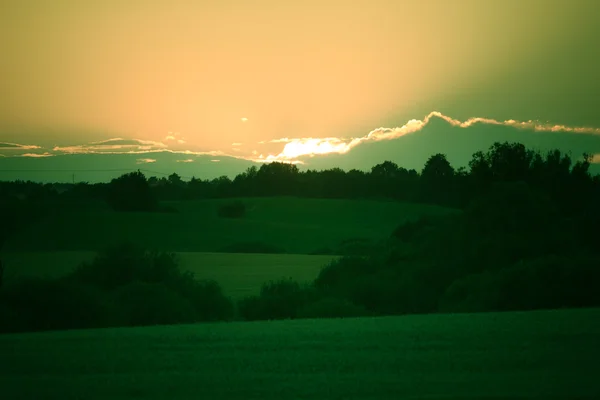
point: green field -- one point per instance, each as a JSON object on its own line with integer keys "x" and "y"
{"x": 535, "y": 355}
{"x": 238, "y": 274}
{"x": 299, "y": 226}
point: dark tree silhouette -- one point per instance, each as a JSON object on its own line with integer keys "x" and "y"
{"x": 131, "y": 192}
{"x": 437, "y": 180}
{"x": 277, "y": 179}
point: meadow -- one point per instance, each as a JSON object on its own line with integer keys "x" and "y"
{"x": 524, "y": 355}
{"x": 295, "y": 225}
{"x": 238, "y": 274}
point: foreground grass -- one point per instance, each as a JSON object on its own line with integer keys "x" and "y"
{"x": 238, "y": 274}
{"x": 299, "y": 226}
{"x": 541, "y": 354}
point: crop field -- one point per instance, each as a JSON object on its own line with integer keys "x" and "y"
{"x": 297, "y": 226}
{"x": 238, "y": 274}
{"x": 524, "y": 355}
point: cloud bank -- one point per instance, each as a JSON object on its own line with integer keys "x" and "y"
{"x": 293, "y": 150}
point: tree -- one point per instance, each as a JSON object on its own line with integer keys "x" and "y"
{"x": 437, "y": 180}
{"x": 277, "y": 178}
{"x": 131, "y": 192}
{"x": 510, "y": 161}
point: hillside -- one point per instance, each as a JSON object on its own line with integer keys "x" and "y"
{"x": 532, "y": 355}
{"x": 292, "y": 225}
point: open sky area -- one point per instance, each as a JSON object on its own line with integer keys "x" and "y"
{"x": 285, "y": 81}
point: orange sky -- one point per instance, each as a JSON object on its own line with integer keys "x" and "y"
{"x": 77, "y": 71}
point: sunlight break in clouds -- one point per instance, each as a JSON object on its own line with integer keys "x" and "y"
{"x": 295, "y": 148}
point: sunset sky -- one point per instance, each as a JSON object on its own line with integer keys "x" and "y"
{"x": 223, "y": 76}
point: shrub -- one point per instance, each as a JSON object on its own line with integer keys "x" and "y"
{"x": 277, "y": 300}
{"x": 358, "y": 247}
{"x": 341, "y": 271}
{"x": 129, "y": 263}
{"x": 322, "y": 251}
{"x": 36, "y": 304}
{"x": 142, "y": 303}
{"x": 125, "y": 263}
{"x": 332, "y": 307}
{"x": 206, "y": 297}
{"x": 253, "y": 248}
{"x": 540, "y": 283}
{"x": 236, "y": 209}
{"x": 408, "y": 230}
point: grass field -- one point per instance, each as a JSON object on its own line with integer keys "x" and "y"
{"x": 299, "y": 226}
{"x": 533, "y": 355}
{"x": 238, "y": 274}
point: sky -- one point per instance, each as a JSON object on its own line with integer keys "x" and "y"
{"x": 277, "y": 80}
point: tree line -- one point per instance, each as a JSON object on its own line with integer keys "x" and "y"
{"x": 567, "y": 181}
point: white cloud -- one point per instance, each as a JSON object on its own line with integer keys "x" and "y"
{"x": 298, "y": 147}
{"x": 116, "y": 145}
{"x": 16, "y": 146}
{"x": 145, "y": 160}
{"x": 37, "y": 155}
{"x": 175, "y": 137}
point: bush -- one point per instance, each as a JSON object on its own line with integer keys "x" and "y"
{"x": 322, "y": 251}
{"x": 253, "y": 248}
{"x": 358, "y": 247}
{"x": 129, "y": 263}
{"x": 36, "y": 304}
{"x": 143, "y": 303}
{"x": 236, "y": 209}
{"x": 206, "y": 297}
{"x": 541, "y": 283}
{"x": 277, "y": 300}
{"x": 332, "y": 307}
{"x": 409, "y": 230}
{"x": 342, "y": 271}
{"x": 126, "y": 263}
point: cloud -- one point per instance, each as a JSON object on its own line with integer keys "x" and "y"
{"x": 111, "y": 146}
{"x": 290, "y": 150}
{"x": 215, "y": 160}
{"x": 299, "y": 147}
{"x": 145, "y": 160}
{"x": 37, "y": 155}
{"x": 175, "y": 137}
{"x": 15, "y": 146}
{"x": 596, "y": 158}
